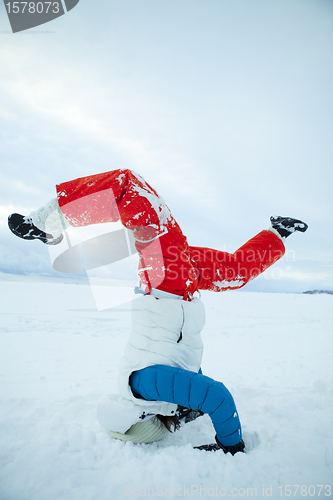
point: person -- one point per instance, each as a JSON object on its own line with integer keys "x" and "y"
{"x": 161, "y": 382}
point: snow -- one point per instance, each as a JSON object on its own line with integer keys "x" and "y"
{"x": 59, "y": 358}
{"x": 156, "y": 201}
{"x": 227, "y": 284}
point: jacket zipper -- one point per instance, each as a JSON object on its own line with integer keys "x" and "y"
{"x": 181, "y": 330}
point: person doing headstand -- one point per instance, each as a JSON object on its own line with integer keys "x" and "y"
{"x": 160, "y": 377}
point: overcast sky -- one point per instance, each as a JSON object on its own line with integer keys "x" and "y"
{"x": 224, "y": 106}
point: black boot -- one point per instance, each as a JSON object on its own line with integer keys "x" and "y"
{"x": 286, "y": 225}
{"x": 23, "y": 227}
{"x": 219, "y": 446}
{"x": 186, "y": 415}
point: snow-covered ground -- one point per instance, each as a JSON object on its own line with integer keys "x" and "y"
{"x": 59, "y": 358}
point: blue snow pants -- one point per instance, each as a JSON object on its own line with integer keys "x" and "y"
{"x": 192, "y": 390}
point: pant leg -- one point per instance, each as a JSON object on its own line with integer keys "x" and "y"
{"x": 219, "y": 271}
{"x": 110, "y": 196}
{"x": 192, "y": 390}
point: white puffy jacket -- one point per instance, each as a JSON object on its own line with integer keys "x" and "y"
{"x": 166, "y": 330}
